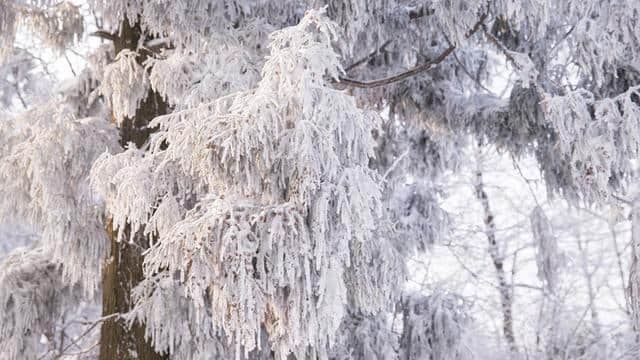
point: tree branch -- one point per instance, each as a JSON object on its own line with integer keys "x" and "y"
{"x": 622, "y": 200}
{"x": 19, "y": 95}
{"x": 104, "y": 35}
{"x": 69, "y": 63}
{"x": 399, "y": 77}
{"x": 368, "y": 57}
{"x": 413, "y": 71}
{"x": 420, "y": 12}
{"x": 93, "y": 325}
{"x": 501, "y": 47}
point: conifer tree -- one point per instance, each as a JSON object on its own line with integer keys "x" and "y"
{"x": 249, "y": 179}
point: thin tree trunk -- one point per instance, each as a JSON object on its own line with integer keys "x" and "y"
{"x": 633, "y": 291}
{"x": 588, "y": 275}
{"x": 616, "y": 248}
{"x": 122, "y": 270}
{"x": 592, "y": 292}
{"x": 504, "y": 288}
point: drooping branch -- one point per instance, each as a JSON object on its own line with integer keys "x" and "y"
{"x": 413, "y": 71}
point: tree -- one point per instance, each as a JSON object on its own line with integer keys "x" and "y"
{"x": 249, "y": 179}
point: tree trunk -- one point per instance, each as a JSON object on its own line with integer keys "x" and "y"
{"x": 498, "y": 263}
{"x": 121, "y": 273}
{"x": 122, "y": 270}
{"x": 633, "y": 291}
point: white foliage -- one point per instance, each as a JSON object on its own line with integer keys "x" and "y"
{"x": 419, "y": 215}
{"x": 548, "y": 258}
{"x": 257, "y": 190}
{"x": 56, "y": 23}
{"x": 228, "y": 62}
{"x": 532, "y": 16}
{"x": 19, "y": 80}
{"x": 173, "y": 323}
{"x": 525, "y": 68}
{"x": 8, "y": 13}
{"x": 366, "y": 338}
{"x": 190, "y": 80}
{"x": 190, "y": 24}
{"x": 44, "y": 170}
{"x": 125, "y": 84}
{"x": 285, "y": 202}
{"x": 33, "y": 293}
{"x": 413, "y": 158}
{"x": 132, "y": 184}
{"x": 457, "y": 17}
{"x": 80, "y": 92}
{"x": 606, "y": 39}
{"x": 596, "y": 137}
{"x": 434, "y": 327}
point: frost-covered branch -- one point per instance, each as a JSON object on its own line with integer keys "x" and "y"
{"x": 33, "y": 293}
{"x": 413, "y": 71}
{"x": 44, "y": 168}
{"x": 434, "y": 327}
{"x": 269, "y": 210}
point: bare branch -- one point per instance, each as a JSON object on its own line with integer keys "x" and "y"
{"x": 69, "y": 63}
{"x": 104, "y": 35}
{"x": 19, "y": 95}
{"x": 622, "y": 200}
{"x": 89, "y": 329}
{"x": 368, "y": 57}
{"x": 399, "y": 77}
{"x": 501, "y": 47}
{"x": 411, "y": 72}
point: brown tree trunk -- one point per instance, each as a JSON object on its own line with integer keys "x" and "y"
{"x": 121, "y": 273}
{"x": 122, "y": 270}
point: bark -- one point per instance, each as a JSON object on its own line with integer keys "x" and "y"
{"x": 504, "y": 288}
{"x": 122, "y": 270}
{"x": 633, "y": 291}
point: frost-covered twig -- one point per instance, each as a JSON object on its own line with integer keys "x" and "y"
{"x": 394, "y": 165}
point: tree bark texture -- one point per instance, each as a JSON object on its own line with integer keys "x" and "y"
{"x": 504, "y": 287}
{"x": 122, "y": 270}
{"x": 633, "y": 289}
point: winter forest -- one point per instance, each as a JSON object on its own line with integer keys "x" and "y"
{"x": 320, "y": 179}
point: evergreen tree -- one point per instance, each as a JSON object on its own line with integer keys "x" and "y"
{"x": 241, "y": 178}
